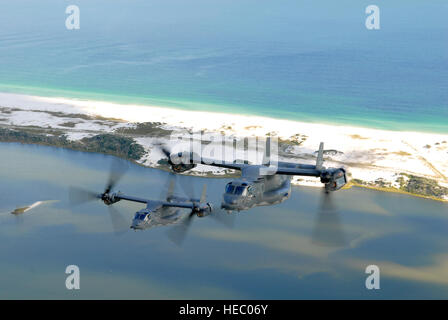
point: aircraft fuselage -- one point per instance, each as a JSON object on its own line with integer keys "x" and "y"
{"x": 243, "y": 194}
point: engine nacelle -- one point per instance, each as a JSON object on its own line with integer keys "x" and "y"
{"x": 183, "y": 161}
{"x": 109, "y": 199}
{"x": 204, "y": 210}
{"x": 334, "y": 179}
{"x": 179, "y": 168}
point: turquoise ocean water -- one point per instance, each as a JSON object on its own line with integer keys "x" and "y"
{"x": 301, "y": 60}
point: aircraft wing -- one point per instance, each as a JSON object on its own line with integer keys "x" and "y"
{"x": 219, "y": 163}
{"x": 130, "y": 198}
{"x": 298, "y": 172}
{"x": 186, "y": 205}
{"x": 154, "y": 205}
{"x": 254, "y": 172}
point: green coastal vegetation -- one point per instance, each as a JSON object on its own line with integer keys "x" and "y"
{"x": 408, "y": 184}
{"x": 421, "y": 185}
{"x": 152, "y": 129}
{"x": 112, "y": 144}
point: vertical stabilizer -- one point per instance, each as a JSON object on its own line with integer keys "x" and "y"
{"x": 267, "y": 152}
{"x": 320, "y": 157}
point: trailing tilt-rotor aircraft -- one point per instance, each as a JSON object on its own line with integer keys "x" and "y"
{"x": 261, "y": 185}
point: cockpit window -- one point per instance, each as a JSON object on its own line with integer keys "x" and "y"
{"x": 240, "y": 190}
{"x": 140, "y": 216}
{"x": 230, "y": 188}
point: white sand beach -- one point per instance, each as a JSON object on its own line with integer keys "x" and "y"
{"x": 368, "y": 154}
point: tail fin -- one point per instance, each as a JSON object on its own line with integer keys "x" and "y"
{"x": 267, "y": 152}
{"x": 320, "y": 157}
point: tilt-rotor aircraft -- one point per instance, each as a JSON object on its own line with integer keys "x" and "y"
{"x": 261, "y": 185}
{"x": 156, "y": 213}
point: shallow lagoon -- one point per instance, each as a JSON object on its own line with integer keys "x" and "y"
{"x": 268, "y": 254}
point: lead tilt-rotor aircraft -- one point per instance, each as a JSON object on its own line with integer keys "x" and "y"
{"x": 258, "y": 186}
{"x": 156, "y": 212}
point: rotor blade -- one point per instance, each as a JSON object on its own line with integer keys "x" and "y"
{"x": 168, "y": 190}
{"x": 79, "y": 196}
{"x": 164, "y": 150}
{"x": 187, "y": 185}
{"x": 117, "y": 170}
{"x": 178, "y": 233}
{"x": 119, "y": 223}
{"x": 224, "y": 218}
{"x": 203, "y": 198}
{"x": 328, "y": 230}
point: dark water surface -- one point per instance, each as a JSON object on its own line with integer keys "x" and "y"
{"x": 268, "y": 254}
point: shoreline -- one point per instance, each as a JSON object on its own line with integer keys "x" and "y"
{"x": 56, "y": 96}
{"x": 377, "y": 158}
{"x": 349, "y": 185}
{"x": 134, "y": 112}
{"x": 392, "y": 190}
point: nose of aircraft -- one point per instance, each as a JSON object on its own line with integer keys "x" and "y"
{"x": 230, "y": 202}
{"x": 135, "y": 225}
